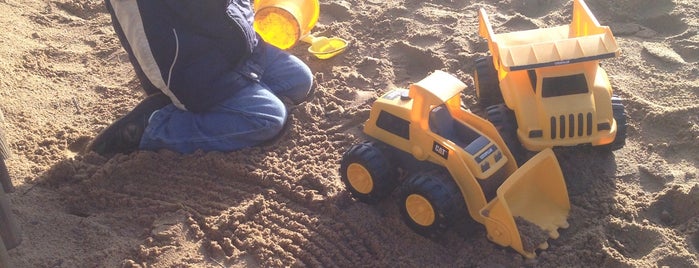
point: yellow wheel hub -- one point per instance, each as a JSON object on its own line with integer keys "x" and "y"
{"x": 360, "y": 178}
{"x": 420, "y": 210}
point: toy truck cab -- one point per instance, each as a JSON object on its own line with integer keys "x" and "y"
{"x": 572, "y": 104}
{"x": 549, "y": 81}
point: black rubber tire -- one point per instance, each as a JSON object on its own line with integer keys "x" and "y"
{"x": 444, "y": 198}
{"x": 376, "y": 159}
{"x": 486, "y": 82}
{"x": 619, "y": 113}
{"x": 505, "y": 122}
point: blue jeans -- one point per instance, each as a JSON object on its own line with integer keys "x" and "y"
{"x": 253, "y": 115}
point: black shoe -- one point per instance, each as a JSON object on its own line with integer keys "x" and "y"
{"x": 124, "y": 135}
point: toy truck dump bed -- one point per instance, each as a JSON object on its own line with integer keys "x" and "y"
{"x": 583, "y": 39}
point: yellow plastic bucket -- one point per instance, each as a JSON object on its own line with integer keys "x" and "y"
{"x": 282, "y": 23}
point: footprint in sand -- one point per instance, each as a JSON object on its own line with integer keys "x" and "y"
{"x": 84, "y": 9}
{"x": 676, "y": 206}
{"x": 519, "y": 23}
{"x": 335, "y": 12}
{"x": 657, "y": 15}
{"x": 415, "y": 61}
{"x": 676, "y": 261}
{"x": 537, "y": 8}
{"x": 633, "y": 241}
{"x": 687, "y": 45}
{"x": 663, "y": 53}
{"x": 694, "y": 240}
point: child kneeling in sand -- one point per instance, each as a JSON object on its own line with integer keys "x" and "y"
{"x": 213, "y": 83}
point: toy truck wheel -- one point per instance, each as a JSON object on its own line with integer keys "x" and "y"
{"x": 430, "y": 203}
{"x": 368, "y": 172}
{"x": 504, "y": 121}
{"x": 619, "y": 113}
{"x": 486, "y": 82}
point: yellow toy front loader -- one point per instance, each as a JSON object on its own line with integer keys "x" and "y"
{"x": 544, "y": 87}
{"x": 449, "y": 163}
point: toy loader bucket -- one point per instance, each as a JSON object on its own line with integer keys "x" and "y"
{"x": 530, "y": 206}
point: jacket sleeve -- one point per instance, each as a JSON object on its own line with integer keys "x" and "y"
{"x": 211, "y": 38}
{"x": 191, "y": 50}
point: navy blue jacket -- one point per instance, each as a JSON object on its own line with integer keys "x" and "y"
{"x": 191, "y": 50}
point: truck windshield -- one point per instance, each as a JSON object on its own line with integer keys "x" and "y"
{"x": 563, "y": 85}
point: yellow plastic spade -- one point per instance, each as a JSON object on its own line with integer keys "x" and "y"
{"x": 323, "y": 47}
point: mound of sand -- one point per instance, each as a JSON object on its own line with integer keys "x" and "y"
{"x": 65, "y": 77}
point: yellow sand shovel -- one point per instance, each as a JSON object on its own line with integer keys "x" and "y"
{"x": 323, "y": 47}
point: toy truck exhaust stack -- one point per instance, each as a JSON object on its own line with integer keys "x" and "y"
{"x": 450, "y": 163}
{"x": 545, "y": 87}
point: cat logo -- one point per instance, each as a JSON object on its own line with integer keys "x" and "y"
{"x": 440, "y": 150}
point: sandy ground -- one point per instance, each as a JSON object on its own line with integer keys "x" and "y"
{"x": 64, "y": 77}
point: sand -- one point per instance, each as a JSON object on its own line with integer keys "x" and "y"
{"x": 65, "y": 77}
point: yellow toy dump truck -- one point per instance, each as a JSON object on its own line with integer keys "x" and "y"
{"x": 544, "y": 87}
{"x": 449, "y": 163}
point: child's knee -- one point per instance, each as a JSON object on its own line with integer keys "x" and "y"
{"x": 303, "y": 86}
{"x": 271, "y": 130}
{"x": 273, "y": 122}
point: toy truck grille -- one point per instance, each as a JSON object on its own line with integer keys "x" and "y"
{"x": 571, "y": 125}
